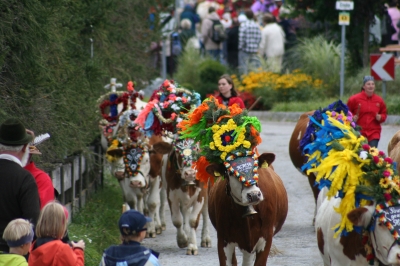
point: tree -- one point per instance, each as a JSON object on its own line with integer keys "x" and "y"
{"x": 48, "y": 79}
{"x": 357, "y": 34}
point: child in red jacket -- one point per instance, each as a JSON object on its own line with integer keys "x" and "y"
{"x": 48, "y": 249}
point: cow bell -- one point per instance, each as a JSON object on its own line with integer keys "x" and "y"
{"x": 249, "y": 210}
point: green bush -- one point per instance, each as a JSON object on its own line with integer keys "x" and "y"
{"x": 320, "y": 59}
{"x": 210, "y": 71}
{"x": 187, "y": 73}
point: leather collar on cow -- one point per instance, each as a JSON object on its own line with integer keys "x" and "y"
{"x": 239, "y": 164}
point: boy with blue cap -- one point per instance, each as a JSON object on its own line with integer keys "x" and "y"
{"x": 132, "y": 225}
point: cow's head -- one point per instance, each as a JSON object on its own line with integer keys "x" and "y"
{"x": 243, "y": 180}
{"x": 186, "y": 152}
{"x": 148, "y": 163}
{"x": 386, "y": 248}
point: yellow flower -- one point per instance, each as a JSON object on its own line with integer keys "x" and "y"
{"x": 374, "y": 151}
{"x": 212, "y": 145}
{"x": 385, "y": 182}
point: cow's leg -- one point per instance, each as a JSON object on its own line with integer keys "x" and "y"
{"x": 315, "y": 190}
{"x": 248, "y": 259}
{"x": 205, "y": 234}
{"x": 128, "y": 193}
{"x": 193, "y": 223}
{"x": 163, "y": 192}
{"x": 153, "y": 206}
{"x": 163, "y": 199}
{"x": 262, "y": 248}
{"x": 226, "y": 255}
{"x": 177, "y": 220}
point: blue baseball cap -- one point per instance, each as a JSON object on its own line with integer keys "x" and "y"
{"x": 132, "y": 222}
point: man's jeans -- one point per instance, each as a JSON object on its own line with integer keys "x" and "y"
{"x": 248, "y": 61}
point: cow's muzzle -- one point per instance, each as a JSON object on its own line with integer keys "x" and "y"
{"x": 254, "y": 196}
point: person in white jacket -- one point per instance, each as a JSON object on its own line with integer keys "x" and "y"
{"x": 272, "y": 45}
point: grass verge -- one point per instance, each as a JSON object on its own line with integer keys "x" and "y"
{"x": 96, "y": 223}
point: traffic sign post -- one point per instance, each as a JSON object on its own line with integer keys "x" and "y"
{"x": 344, "y": 20}
{"x": 383, "y": 68}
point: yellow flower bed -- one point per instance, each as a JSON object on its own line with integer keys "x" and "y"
{"x": 294, "y": 80}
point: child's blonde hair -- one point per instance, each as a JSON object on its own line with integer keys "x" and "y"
{"x": 18, "y": 232}
{"x": 52, "y": 221}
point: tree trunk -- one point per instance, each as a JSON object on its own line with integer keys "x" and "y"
{"x": 366, "y": 43}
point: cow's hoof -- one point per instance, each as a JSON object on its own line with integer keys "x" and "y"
{"x": 182, "y": 243}
{"x": 150, "y": 234}
{"x": 206, "y": 243}
{"x": 163, "y": 227}
{"x": 158, "y": 230}
{"x": 192, "y": 252}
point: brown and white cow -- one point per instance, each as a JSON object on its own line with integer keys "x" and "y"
{"x": 228, "y": 199}
{"x": 349, "y": 250}
{"x": 298, "y": 159}
{"x": 187, "y": 197}
{"x": 141, "y": 189}
{"x": 394, "y": 149}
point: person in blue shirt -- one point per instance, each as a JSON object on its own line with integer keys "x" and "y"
{"x": 132, "y": 225}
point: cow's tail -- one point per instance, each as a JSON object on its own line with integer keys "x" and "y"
{"x": 274, "y": 251}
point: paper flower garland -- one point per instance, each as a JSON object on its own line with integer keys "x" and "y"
{"x": 166, "y": 108}
{"x": 350, "y": 168}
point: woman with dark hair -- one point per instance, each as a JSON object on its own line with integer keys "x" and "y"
{"x": 227, "y": 93}
{"x": 369, "y": 111}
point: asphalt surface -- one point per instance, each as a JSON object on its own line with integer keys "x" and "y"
{"x": 296, "y": 240}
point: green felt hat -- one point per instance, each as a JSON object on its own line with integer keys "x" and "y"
{"x": 13, "y": 133}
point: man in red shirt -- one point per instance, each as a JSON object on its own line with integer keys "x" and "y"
{"x": 43, "y": 180}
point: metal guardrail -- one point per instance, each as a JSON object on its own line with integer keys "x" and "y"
{"x": 78, "y": 178}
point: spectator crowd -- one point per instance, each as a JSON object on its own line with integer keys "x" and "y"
{"x": 239, "y": 34}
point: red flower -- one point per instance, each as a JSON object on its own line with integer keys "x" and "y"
{"x": 381, "y": 153}
{"x": 387, "y": 196}
{"x": 386, "y": 173}
{"x": 366, "y": 147}
{"x": 370, "y": 257}
{"x": 227, "y": 138}
{"x": 376, "y": 159}
{"x": 388, "y": 160}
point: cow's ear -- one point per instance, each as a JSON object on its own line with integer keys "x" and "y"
{"x": 216, "y": 170}
{"x": 266, "y": 159}
{"x": 162, "y": 147}
{"x": 359, "y": 216}
{"x": 115, "y": 152}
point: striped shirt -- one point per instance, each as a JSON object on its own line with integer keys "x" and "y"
{"x": 249, "y": 36}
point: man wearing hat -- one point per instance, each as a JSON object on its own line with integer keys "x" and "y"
{"x": 19, "y": 196}
{"x": 43, "y": 180}
{"x": 132, "y": 225}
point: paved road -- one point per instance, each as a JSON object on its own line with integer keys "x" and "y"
{"x": 296, "y": 240}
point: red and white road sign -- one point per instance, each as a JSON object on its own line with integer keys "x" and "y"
{"x": 382, "y": 66}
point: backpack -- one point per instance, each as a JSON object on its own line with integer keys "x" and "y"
{"x": 218, "y": 33}
{"x": 176, "y": 46}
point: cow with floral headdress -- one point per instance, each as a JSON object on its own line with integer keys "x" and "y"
{"x": 357, "y": 220}
{"x": 186, "y": 196}
{"x": 248, "y": 202}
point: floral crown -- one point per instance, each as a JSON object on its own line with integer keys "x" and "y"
{"x": 224, "y": 133}
{"x": 166, "y": 107}
{"x": 352, "y": 170}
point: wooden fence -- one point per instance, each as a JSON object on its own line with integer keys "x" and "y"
{"x": 78, "y": 178}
